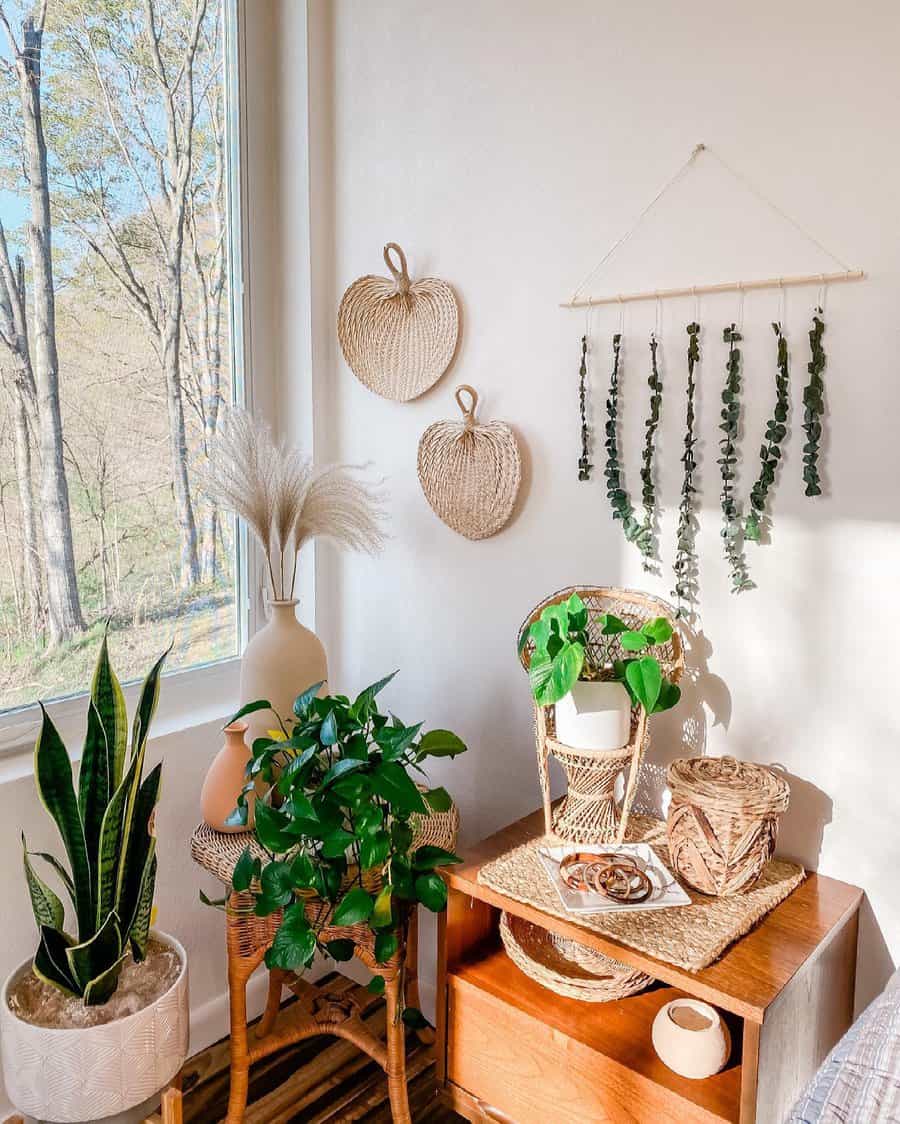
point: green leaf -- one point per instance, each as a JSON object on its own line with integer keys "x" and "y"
{"x": 107, "y": 697}
{"x": 633, "y": 641}
{"x": 382, "y": 911}
{"x": 140, "y": 926}
{"x": 277, "y": 883}
{"x": 337, "y": 842}
{"x": 577, "y": 612}
{"x": 611, "y": 625}
{"x": 46, "y": 906}
{"x": 139, "y": 846}
{"x": 95, "y": 786}
{"x": 95, "y": 956}
{"x": 539, "y": 671}
{"x": 112, "y": 847}
{"x": 374, "y": 849}
{"x": 53, "y": 777}
{"x": 402, "y": 879}
{"x": 328, "y": 733}
{"x": 303, "y": 701}
{"x": 401, "y": 835}
{"x": 340, "y": 950}
{"x": 386, "y": 945}
{"x": 245, "y": 870}
{"x": 431, "y": 890}
{"x": 295, "y": 942}
{"x": 357, "y": 748}
{"x": 376, "y": 985}
{"x": 440, "y": 743}
{"x": 270, "y": 828}
{"x": 395, "y": 740}
{"x": 100, "y": 989}
{"x": 414, "y": 1019}
{"x": 645, "y": 680}
{"x": 239, "y": 817}
{"x": 439, "y": 800}
{"x": 249, "y": 708}
{"x": 539, "y": 634}
{"x": 669, "y": 695}
{"x": 429, "y": 856}
{"x": 302, "y": 872}
{"x": 340, "y": 769}
{"x": 50, "y": 962}
{"x": 564, "y": 672}
{"x": 356, "y": 906}
{"x": 658, "y": 631}
{"x": 393, "y": 784}
{"x": 215, "y": 903}
{"x": 146, "y": 708}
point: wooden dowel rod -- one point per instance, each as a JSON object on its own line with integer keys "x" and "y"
{"x": 723, "y": 287}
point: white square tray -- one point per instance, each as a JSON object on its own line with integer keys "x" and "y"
{"x": 665, "y": 893}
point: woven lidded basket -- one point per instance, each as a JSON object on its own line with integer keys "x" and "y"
{"x": 723, "y": 821}
{"x": 398, "y": 336}
{"x": 566, "y": 967}
{"x": 470, "y": 473}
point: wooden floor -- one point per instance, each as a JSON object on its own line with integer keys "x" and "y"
{"x": 323, "y": 1079}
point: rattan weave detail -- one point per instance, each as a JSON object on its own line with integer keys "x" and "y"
{"x": 470, "y": 473}
{"x": 566, "y": 967}
{"x": 588, "y": 813}
{"x": 723, "y": 821}
{"x": 690, "y": 936}
{"x": 398, "y": 336}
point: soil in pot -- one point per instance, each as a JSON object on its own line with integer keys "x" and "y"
{"x": 140, "y": 985}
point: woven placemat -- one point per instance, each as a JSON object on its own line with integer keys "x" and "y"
{"x": 690, "y": 936}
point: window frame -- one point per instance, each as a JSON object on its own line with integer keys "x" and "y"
{"x": 204, "y": 692}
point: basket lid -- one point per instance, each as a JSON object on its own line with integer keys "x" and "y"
{"x": 729, "y": 784}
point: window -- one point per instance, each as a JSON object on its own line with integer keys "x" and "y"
{"x": 120, "y": 336}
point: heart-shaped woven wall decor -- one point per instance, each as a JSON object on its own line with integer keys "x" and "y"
{"x": 470, "y": 473}
{"x": 398, "y": 336}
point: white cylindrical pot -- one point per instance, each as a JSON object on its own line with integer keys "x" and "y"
{"x": 89, "y": 1073}
{"x": 594, "y": 716}
{"x": 279, "y": 663}
{"x": 691, "y": 1038}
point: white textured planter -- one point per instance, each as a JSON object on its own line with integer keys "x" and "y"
{"x": 86, "y": 1074}
{"x": 691, "y": 1038}
{"x": 594, "y": 716}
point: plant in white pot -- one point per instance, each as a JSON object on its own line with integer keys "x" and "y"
{"x": 285, "y": 501}
{"x": 593, "y": 695}
{"x": 97, "y": 1022}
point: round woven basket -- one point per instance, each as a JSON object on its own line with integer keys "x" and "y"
{"x": 470, "y": 473}
{"x": 723, "y": 821}
{"x": 398, "y": 336}
{"x": 566, "y": 967}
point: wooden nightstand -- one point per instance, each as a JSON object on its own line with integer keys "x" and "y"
{"x": 509, "y": 1049}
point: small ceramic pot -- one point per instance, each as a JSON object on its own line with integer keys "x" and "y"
{"x": 691, "y": 1038}
{"x": 89, "y": 1073}
{"x": 224, "y": 781}
{"x": 594, "y": 716}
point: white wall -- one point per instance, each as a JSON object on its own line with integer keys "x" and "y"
{"x": 506, "y": 145}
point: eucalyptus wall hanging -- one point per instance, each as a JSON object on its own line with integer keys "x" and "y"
{"x": 737, "y": 528}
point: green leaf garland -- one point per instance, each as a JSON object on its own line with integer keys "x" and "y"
{"x": 732, "y": 524}
{"x": 685, "y": 565}
{"x": 770, "y": 450}
{"x": 584, "y": 465}
{"x": 615, "y": 490}
{"x": 814, "y": 406}
{"x": 647, "y": 541}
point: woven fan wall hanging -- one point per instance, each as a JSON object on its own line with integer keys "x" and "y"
{"x": 470, "y": 473}
{"x": 398, "y": 336}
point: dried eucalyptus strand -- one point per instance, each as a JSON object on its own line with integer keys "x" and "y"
{"x": 814, "y": 405}
{"x": 648, "y": 490}
{"x": 685, "y": 565}
{"x": 615, "y": 490}
{"x": 732, "y": 524}
{"x": 584, "y": 464}
{"x": 776, "y": 431}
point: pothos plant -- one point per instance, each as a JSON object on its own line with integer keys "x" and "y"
{"x": 561, "y": 656}
{"x": 732, "y": 524}
{"x": 814, "y": 406}
{"x": 338, "y": 805}
{"x": 770, "y": 450}
{"x": 685, "y": 565}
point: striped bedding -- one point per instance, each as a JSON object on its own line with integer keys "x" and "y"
{"x": 859, "y": 1081}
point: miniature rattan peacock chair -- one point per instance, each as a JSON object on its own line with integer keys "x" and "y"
{"x": 588, "y": 813}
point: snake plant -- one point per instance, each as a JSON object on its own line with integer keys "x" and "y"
{"x": 107, "y": 833}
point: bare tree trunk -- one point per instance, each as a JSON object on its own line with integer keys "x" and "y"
{"x": 13, "y": 576}
{"x": 34, "y": 587}
{"x": 62, "y": 589}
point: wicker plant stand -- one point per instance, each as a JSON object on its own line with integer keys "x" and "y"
{"x": 317, "y": 1011}
{"x": 589, "y": 813}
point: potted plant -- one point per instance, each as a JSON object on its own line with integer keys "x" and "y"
{"x": 345, "y": 861}
{"x": 593, "y": 694}
{"x": 71, "y": 1017}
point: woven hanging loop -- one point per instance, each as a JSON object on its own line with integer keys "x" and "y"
{"x": 398, "y": 336}
{"x": 470, "y": 473}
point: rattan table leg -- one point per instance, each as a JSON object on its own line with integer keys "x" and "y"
{"x": 396, "y": 1054}
{"x": 273, "y": 1002}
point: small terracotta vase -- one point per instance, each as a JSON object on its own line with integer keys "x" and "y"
{"x": 279, "y": 663}
{"x": 224, "y": 781}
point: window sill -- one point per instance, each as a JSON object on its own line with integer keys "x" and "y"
{"x": 187, "y": 699}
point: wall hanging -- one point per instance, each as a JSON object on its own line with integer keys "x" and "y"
{"x": 470, "y": 473}
{"x": 398, "y": 336}
{"x": 738, "y": 527}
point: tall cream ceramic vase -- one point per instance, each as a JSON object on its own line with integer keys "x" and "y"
{"x": 279, "y": 663}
